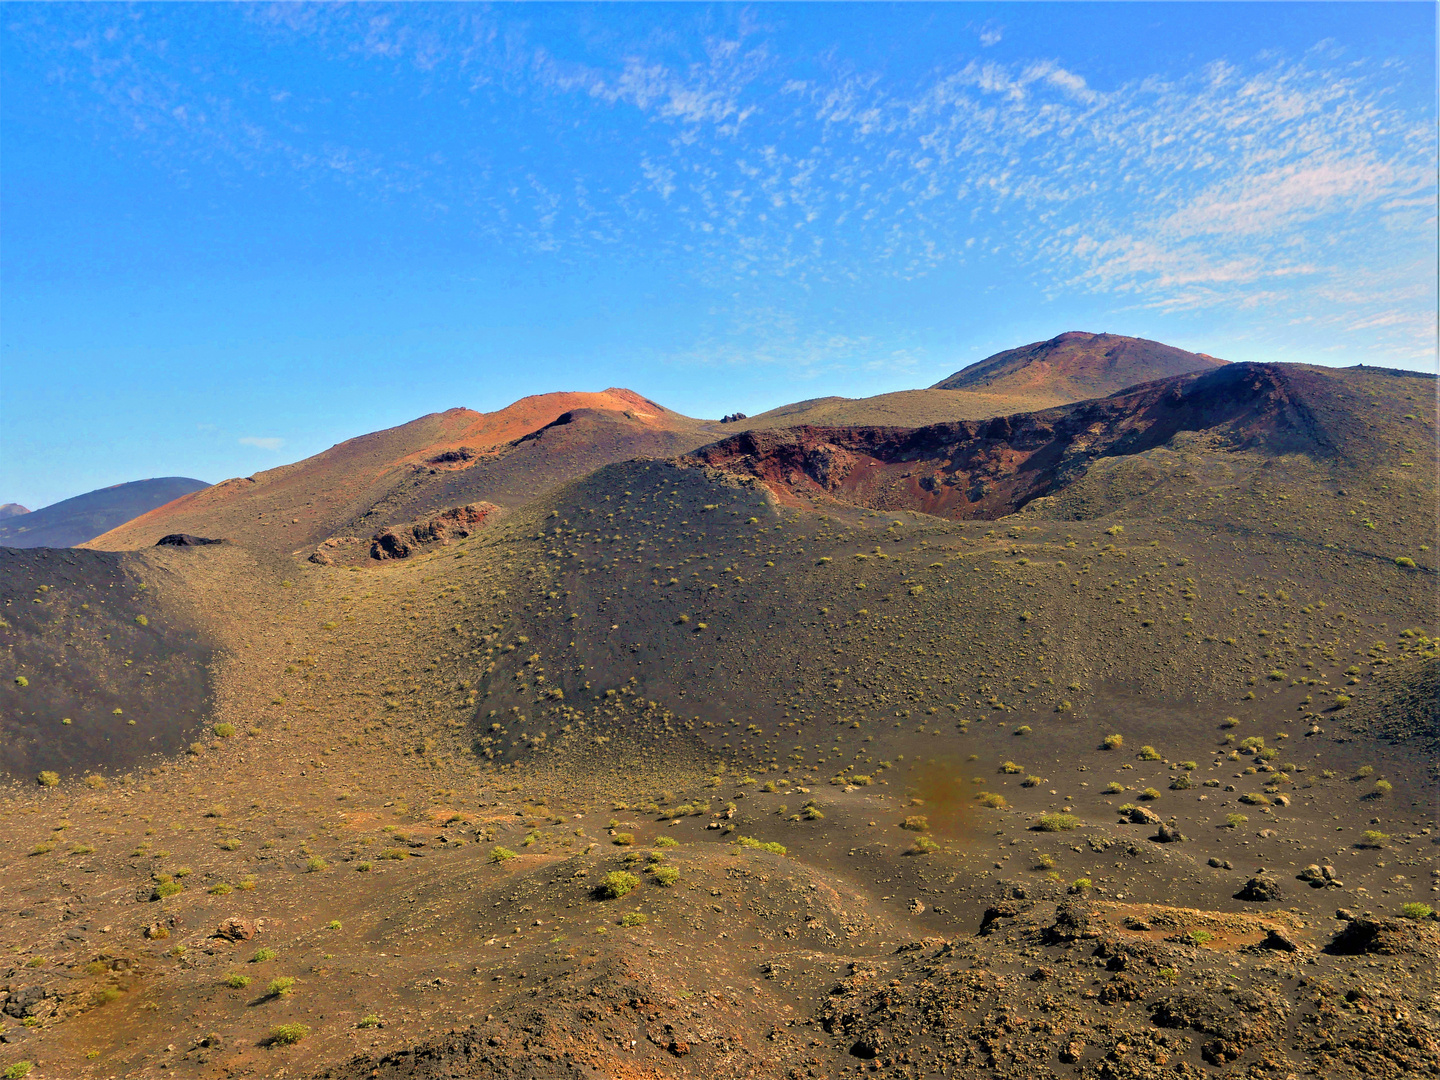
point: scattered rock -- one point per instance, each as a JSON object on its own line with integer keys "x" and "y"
{"x": 1220, "y": 864}
{"x": 917, "y": 907}
{"x": 1278, "y": 940}
{"x": 185, "y": 540}
{"x": 1169, "y": 834}
{"x": 1259, "y": 889}
{"x": 1071, "y": 923}
{"x": 235, "y": 929}
{"x": 1385, "y": 937}
{"x": 1140, "y": 815}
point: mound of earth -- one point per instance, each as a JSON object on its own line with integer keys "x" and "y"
{"x": 1077, "y": 365}
{"x": 74, "y": 521}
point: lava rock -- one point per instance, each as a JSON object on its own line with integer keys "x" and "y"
{"x": 1260, "y": 889}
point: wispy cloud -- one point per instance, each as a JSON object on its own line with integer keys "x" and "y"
{"x": 262, "y": 442}
{"x": 1271, "y": 184}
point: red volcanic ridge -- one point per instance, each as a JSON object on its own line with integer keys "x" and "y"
{"x": 984, "y": 469}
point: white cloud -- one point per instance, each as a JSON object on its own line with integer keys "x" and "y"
{"x": 263, "y": 442}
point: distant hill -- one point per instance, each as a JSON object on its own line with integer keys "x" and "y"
{"x": 903, "y": 408}
{"x": 74, "y": 521}
{"x": 12, "y": 510}
{"x": 444, "y": 459}
{"x": 1076, "y": 366}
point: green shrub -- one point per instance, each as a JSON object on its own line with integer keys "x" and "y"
{"x": 924, "y": 845}
{"x": 1416, "y": 911}
{"x": 1234, "y": 821}
{"x": 1056, "y": 823}
{"x": 281, "y": 987}
{"x": 501, "y": 854}
{"x": 1373, "y": 838}
{"x": 262, "y": 955}
{"x": 916, "y": 823}
{"x": 1148, "y": 753}
{"x": 622, "y": 839}
{"x": 1114, "y": 788}
{"x": 371, "y": 1021}
{"x": 288, "y": 1034}
{"x": 236, "y": 981}
{"x": 760, "y": 845}
{"x": 18, "y": 1071}
{"x": 316, "y": 864}
{"x": 634, "y": 918}
{"x": 665, "y": 876}
{"x": 1112, "y": 742}
{"x": 1149, "y": 793}
{"x": 616, "y": 884}
{"x": 225, "y": 731}
{"x": 47, "y": 778}
{"x": 992, "y": 800}
{"x": 1406, "y": 562}
{"x": 1011, "y": 768}
{"x": 666, "y": 842}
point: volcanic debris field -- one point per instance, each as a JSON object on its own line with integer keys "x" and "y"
{"x": 789, "y": 757}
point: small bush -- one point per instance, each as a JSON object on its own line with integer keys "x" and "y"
{"x": 1373, "y": 838}
{"x": 236, "y": 981}
{"x": 616, "y": 884}
{"x": 47, "y": 778}
{"x": 666, "y": 842}
{"x": 924, "y": 845}
{"x": 634, "y": 918}
{"x": 262, "y": 955}
{"x": 1406, "y": 562}
{"x": 288, "y": 1034}
{"x": 1012, "y": 769}
{"x": 1056, "y": 823}
{"x": 916, "y": 823}
{"x": 992, "y": 800}
{"x": 1180, "y": 783}
{"x": 18, "y": 1071}
{"x": 1080, "y": 884}
{"x": 1149, "y": 794}
{"x": 622, "y": 839}
{"x": 1234, "y": 821}
{"x": 1416, "y": 911}
{"x": 1251, "y": 798}
{"x": 1383, "y": 788}
{"x": 281, "y": 987}
{"x": 1045, "y": 862}
{"x": 1112, "y": 742}
{"x": 501, "y": 854}
{"x": 758, "y": 845}
{"x": 1148, "y": 753}
{"x": 371, "y": 1021}
{"x": 665, "y": 876}
{"x": 315, "y": 865}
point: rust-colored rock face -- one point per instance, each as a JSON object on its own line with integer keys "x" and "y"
{"x": 983, "y": 469}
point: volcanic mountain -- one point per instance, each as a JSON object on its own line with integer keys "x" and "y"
{"x": 74, "y": 521}
{"x": 1092, "y": 740}
{"x": 1075, "y": 366}
{"x": 443, "y": 459}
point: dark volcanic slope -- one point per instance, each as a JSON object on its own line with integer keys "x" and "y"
{"x": 100, "y": 670}
{"x": 1077, "y": 365}
{"x": 74, "y": 521}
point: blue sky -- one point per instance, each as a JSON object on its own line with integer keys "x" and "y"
{"x": 234, "y": 235}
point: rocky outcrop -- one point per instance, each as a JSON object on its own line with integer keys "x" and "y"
{"x": 401, "y": 541}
